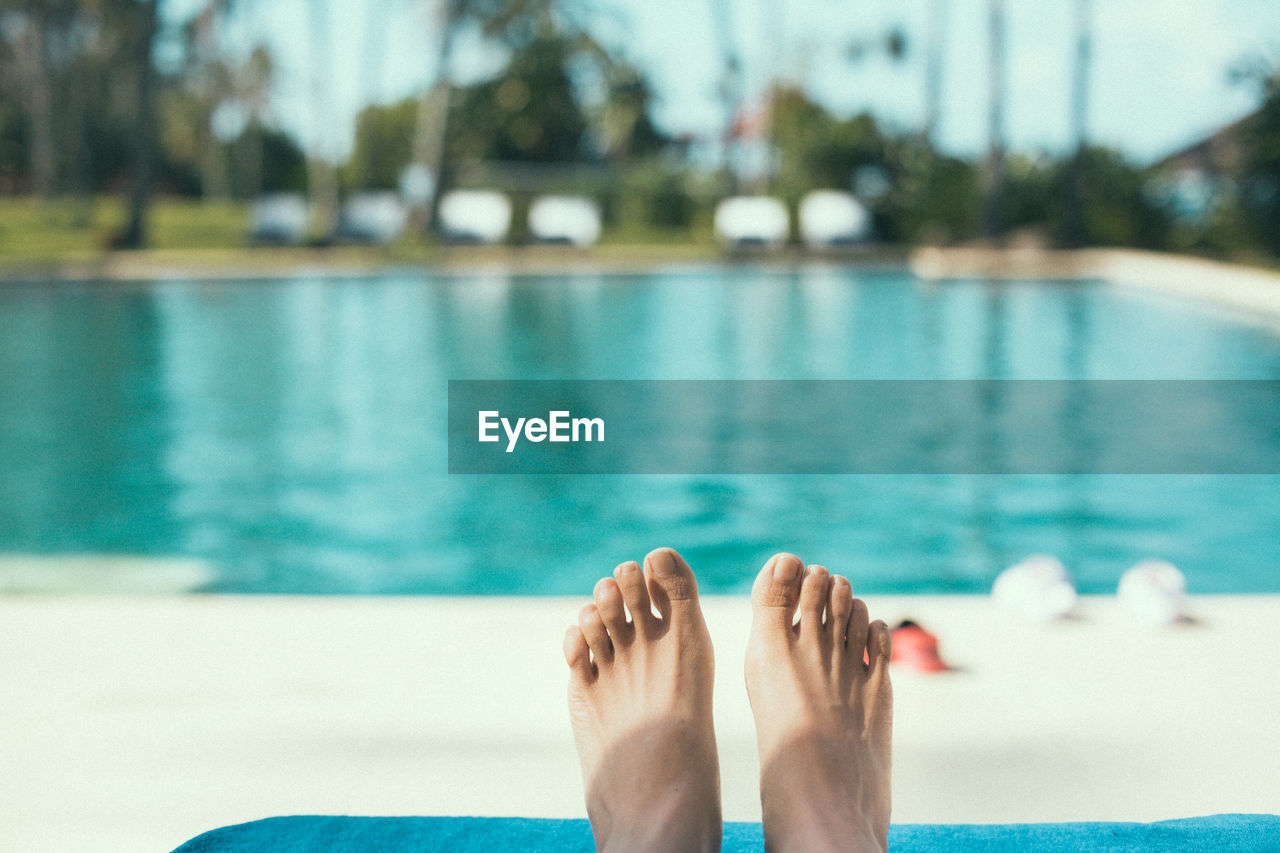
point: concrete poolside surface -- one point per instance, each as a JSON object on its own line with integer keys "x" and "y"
{"x": 131, "y": 724}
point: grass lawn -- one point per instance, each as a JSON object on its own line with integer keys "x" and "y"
{"x": 36, "y": 231}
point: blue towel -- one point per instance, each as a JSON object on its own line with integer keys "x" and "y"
{"x": 1252, "y": 833}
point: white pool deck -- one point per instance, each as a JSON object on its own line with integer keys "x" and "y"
{"x": 133, "y": 723}
{"x": 1252, "y": 294}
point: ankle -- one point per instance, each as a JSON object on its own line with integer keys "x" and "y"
{"x": 813, "y": 825}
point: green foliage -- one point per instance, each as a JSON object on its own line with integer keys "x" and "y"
{"x": 531, "y": 113}
{"x": 1116, "y": 208}
{"x": 283, "y": 165}
{"x": 932, "y": 198}
{"x": 818, "y": 150}
{"x": 1259, "y": 178}
{"x": 650, "y": 195}
{"x": 625, "y": 123}
{"x": 383, "y": 147}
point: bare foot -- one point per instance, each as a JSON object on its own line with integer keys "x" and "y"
{"x": 824, "y": 718}
{"x": 640, "y": 702}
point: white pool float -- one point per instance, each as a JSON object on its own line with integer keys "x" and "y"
{"x": 1154, "y": 592}
{"x": 1038, "y": 588}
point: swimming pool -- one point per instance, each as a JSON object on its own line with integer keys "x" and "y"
{"x": 291, "y": 432}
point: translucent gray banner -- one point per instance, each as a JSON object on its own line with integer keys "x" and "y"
{"x": 864, "y": 427}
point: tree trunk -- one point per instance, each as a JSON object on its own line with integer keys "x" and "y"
{"x": 1075, "y": 188}
{"x": 995, "y": 156}
{"x": 933, "y": 70}
{"x": 431, "y": 127}
{"x": 730, "y": 93}
{"x": 40, "y": 85}
{"x": 322, "y": 177}
{"x": 144, "y": 130}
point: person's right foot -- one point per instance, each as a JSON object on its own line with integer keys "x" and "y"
{"x": 640, "y": 701}
{"x": 823, "y": 716}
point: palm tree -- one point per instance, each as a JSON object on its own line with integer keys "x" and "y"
{"x": 253, "y": 90}
{"x": 322, "y": 175}
{"x": 41, "y": 27}
{"x": 433, "y": 108}
{"x": 996, "y": 151}
{"x": 511, "y": 22}
{"x": 1079, "y": 122}
{"x": 933, "y": 70}
{"x": 730, "y": 87}
{"x": 144, "y": 26}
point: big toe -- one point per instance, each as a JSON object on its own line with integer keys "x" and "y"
{"x": 672, "y": 586}
{"x": 776, "y": 592}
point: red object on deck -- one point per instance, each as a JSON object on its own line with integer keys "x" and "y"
{"x": 916, "y": 648}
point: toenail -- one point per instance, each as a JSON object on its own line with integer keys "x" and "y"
{"x": 817, "y": 570}
{"x": 662, "y": 562}
{"x": 786, "y": 568}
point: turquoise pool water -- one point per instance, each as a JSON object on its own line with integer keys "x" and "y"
{"x": 292, "y": 432}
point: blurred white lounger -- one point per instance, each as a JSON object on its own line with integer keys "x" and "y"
{"x": 1039, "y": 588}
{"x": 833, "y": 218}
{"x": 565, "y": 219}
{"x": 280, "y": 218}
{"x": 374, "y": 217}
{"x": 475, "y": 216}
{"x": 1154, "y": 592}
{"x": 759, "y": 220}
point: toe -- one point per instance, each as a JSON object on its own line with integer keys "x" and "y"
{"x": 777, "y": 590}
{"x": 813, "y": 600}
{"x": 636, "y": 594}
{"x": 672, "y": 587}
{"x": 839, "y": 606}
{"x": 597, "y": 637}
{"x": 856, "y": 642}
{"x": 879, "y": 652}
{"x": 578, "y": 655}
{"x": 608, "y": 598}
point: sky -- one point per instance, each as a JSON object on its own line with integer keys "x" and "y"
{"x": 1160, "y": 74}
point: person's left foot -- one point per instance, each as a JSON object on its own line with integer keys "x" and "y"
{"x": 820, "y": 693}
{"x": 640, "y": 702}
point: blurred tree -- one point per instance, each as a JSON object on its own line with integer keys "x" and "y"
{"x": 383, "y": 145}
{"x": 322, "y": 170}
{"x": 818, "y": 150}
{"x": 530, "y": 113}
{"x": 139, "y": 21}
{"x": 933, "y": 70}
{"x": 35, "y": 30}
{"x": 625, "y": 122}
{"x": 932, "y": 199}
{"x": 1258, "y": 169}
{"x": 729, "y": 90}
{"x": 994, "y": 176}
{"x": 207, "y": 87}
{"x": 251, "y": 83}
{"x": 537, "y": 33}
{"x": 1115, "y": 208}
{"x": 1074, "y": 191}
